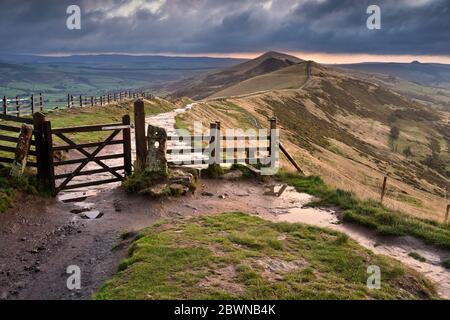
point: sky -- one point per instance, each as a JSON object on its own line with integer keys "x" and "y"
{"x": 328, "y": 31}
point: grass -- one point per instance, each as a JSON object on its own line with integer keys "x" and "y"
{"x": 9, "y": 187}
{"x": 417, "y": 256}
{"x": 112, "y": 113}
{"x": 446, "y": 264}
{"x": 238, "y": 256}
{"x": 370, "y": 213}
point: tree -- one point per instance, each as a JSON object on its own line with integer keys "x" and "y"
{"x": 408, "y": 152}
{"x": 395, "y": 133}
{"x": 393, "y": 136}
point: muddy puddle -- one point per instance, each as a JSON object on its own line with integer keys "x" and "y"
{"x": 293, "y": 208}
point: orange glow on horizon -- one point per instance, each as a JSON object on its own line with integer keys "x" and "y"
{"x": 342, "y": 58}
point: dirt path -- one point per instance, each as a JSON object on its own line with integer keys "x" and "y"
{"x": 46, "y": 238}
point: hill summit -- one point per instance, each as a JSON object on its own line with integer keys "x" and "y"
{"x": 199, "y": 88}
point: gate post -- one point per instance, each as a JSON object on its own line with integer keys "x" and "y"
{"x": 127, "y": 145}
{"x": 139, "y": 132}
{"x": 44, "y": 154}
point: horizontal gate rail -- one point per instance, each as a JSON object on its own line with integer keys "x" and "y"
{"x": 85, "y": 145}
{"x": 9, "y": 137}
{"x": 92, "y": 156}
{"x": 75, "y": 161}
{"x": 89, "y": 172}
{"x": 92, "y": 128}
{"x": 9, "y": 160}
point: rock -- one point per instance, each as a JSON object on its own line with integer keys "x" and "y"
{"x": 156, "y": 191}
{"x": 233, "y": 175}
{"x": 187, "y": 179}
{"x": 117, "y": 205}
{"x": 78, "y": 211}
{"x": 178, "y": 189}
{"x": 94, "y": 214}
{"x": 157, "y": 146}
{"x": 207, "y": 194}
{"x": 221, "y": 196}
{"x": 177, "y": 183}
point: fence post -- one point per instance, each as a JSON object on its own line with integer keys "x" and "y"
{"x": 218, "y": 144}
{"x": 44, "y": 159}
{"x": 139, "y": 131}
{"x": 71, "y": 101}
{"x": 212, "y": 143}
{"x": 272, "y": 127}
{"x": 41, "y": 102}
{"x": 383, "y": 188}
{"x": 68, "y": 101}
{"x": 17, "y": 106}
{"x": 5, "y": 105}
{"x": 81, "y": 101}
{"x": 127, "y": 145}
{"x": 32, "y": 104}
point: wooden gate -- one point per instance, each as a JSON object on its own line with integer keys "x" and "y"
{"x": 119, "y": 134}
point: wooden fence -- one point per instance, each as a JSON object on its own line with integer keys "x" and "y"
{"x": 20, "y": 106}
{"x": 27, "y": 106}
{"x": 215, "y": 148}
{"x": 9, "y": 136}
{"x": 84, "y": 101}
{"x": 212, "y": 147}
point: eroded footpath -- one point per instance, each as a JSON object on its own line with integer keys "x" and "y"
{"x": 48, "y": 236}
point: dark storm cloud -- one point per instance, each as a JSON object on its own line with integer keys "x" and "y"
{"x": 198, "y": 26}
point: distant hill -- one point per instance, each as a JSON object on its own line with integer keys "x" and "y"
{"x": 430, "y": 74}
{"x": 214, "y": 82}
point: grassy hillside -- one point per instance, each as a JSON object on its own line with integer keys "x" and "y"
{"x": 353, "y": 132}
{"x": 291, "y": 77}
{"x": 428, "y": 74}
{"x": 237, "y": 256}
{"x": 433, "y": 96}
{"x": 201, "y": 87}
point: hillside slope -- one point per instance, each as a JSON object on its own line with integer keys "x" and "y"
{"x": 353, "y": 133}
{"x": 199, "y": 88}
{"x": 429, "y": 74}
